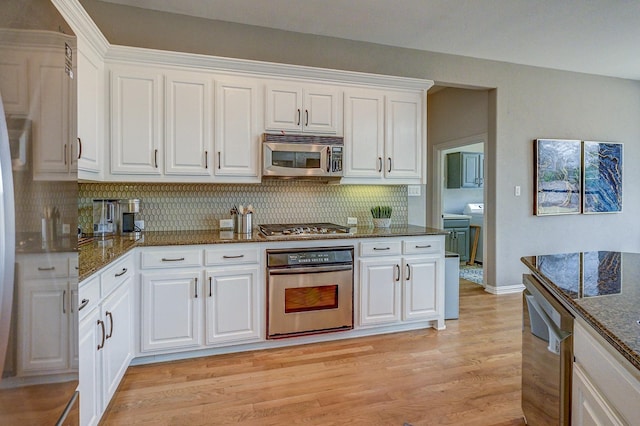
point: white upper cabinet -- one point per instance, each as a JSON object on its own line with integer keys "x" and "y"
{"x": 303, "y": 108}
{"x": 90, "y": 111}
{"x": 384, "y": 139}
{"x": 236, "y": 128}
{"x": 136, "y": 126}
{"x": 14, "y": 83}
{"x": 188, "y": 124}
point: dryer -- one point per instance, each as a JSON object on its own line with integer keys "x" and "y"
{"x": 476, "y": 211}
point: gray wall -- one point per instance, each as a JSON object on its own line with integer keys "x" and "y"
{"x": 527, "y": 103}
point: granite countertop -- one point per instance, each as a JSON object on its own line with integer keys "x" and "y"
{"x": 98, "y": 253}
{"x": 601, "y": 287}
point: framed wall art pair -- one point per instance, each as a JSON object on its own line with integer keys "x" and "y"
{"x": 573, "y": 177}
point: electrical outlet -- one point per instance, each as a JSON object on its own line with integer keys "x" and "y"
{"x": 413, "y": 190}
{"x": 352, "y": 221}
{"x": 139, "y": 224}
{"x": 226, "y": 223}
{"x": 66, "y": 228}
{"x": 516, "y": 191}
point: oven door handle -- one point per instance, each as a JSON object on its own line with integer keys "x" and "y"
{"x": 310, "y": 269}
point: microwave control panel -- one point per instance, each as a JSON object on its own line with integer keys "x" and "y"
{"x": 336, "y": 159}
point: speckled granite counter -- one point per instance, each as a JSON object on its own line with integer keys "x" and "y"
{"x": 601, "y": 287}
{"x": 99, "y": 253}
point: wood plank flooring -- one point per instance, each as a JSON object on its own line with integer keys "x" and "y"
{"x": 468, "y": 374}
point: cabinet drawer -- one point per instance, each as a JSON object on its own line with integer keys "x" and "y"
{"x": 89, "y": 291}
{"x": 171, "y": 258}
{"x": 420, "y": 246}
{"x": 380, "y": 248}
{"x": 45, "y": 266}
{"x": 231, "y": 255}
{"x": 116, "y": 274}
{"x": 456, "y": 223}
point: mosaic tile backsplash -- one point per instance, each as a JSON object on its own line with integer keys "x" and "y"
{"x": 174, "y": 206}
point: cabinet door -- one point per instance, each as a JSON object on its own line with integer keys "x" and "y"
{"x": 380, "y": 290}
{"x": 188, "y": 124}
{"x": 90, "y": 111}
{"x": 421, "y": 277}
{"x": 43, "y": 326}
{"x": 480, "y": 170}
{"x": 588, "y": 407}
{"x": 320, "y": 110}
{"x": 118, "y": 347}
{"x": 136, "y": 121}
{"x": 232, "y": 311}
{"x": 90, "y": 339}
{"x": 403, "y": 145}
{"x": 364, "y": 133}
{"x": 237, "y": 138}
{"x": 14, "y": 83}
{"x": 283, "y": 108}
{"x": 171, "y": 309}
{"x": 458, "y": 242}
{"x": 54, "y": 145}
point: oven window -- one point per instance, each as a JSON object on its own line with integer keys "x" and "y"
{"x": 296, "y": 160}
{"x": 310, "y": 298}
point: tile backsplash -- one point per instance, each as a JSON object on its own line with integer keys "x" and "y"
{"x": 176, "y": 206}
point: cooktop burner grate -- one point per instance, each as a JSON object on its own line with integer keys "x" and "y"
{"x": 302, "y": 229}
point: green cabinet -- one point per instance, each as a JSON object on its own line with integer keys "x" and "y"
{"x": 465, "y": 170}
{"x": 458, "y": 239}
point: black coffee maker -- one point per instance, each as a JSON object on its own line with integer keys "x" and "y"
{"x": 128, "y": 210}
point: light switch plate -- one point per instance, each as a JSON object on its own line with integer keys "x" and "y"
{"x": 226, "y": 223}
{"x": 66, "y": 228}
{"x": 413, "y": 190}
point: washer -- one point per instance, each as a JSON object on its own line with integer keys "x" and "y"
{"x": 476, "y": 211}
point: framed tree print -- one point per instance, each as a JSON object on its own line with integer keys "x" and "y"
{"x": 558, "y": 176}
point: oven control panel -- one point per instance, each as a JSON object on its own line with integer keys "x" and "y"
{"x": 302, "y": 258}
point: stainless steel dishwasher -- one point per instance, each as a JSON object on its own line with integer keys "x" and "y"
{"x": 547, "y": 357}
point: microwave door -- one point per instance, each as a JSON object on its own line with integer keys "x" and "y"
{"x": 296, "y": 160}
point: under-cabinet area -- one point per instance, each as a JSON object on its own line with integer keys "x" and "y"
{"x": 163, "y": 302}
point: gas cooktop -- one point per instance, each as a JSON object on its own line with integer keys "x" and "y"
{"x": 302, "y": 229}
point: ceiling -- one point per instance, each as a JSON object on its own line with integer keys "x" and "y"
{"x": 591, "y": 36}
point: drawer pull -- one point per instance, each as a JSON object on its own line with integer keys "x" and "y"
{"x": 382, "y": 248}
{"x": 420, "y": 247}
{"x": 83, "y": 304}
{"x": 239, "y": 256}
{"x": 169, "y": 259}
{"x": 50, "y": 268}
{"x": 101, "y": 324}
{"x": 110, "y": 315}
{"x": 121, "y": 273}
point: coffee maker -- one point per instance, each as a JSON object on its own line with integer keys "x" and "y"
{"x": 128, "y": 210}
{"x": 105, "y": 217}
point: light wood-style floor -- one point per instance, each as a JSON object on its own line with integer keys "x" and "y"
{"x": 468, "y": 374}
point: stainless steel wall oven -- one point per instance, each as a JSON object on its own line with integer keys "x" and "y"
{"x": 309, "y": 290}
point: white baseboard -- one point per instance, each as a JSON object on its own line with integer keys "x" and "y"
{"x": 504, "y": 289}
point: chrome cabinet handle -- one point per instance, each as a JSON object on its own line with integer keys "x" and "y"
{"x": 381, "y": 248}
{"x": 110, "y": 315}
{"x": 380, "y": 164}
{"x": 155, "y": 157}
{"x": 408, "y": 272}
{"x": 50, "y": 268}
{"x": 169, "y": 259}
{"x": 101, "y": 324}
{"x": 83, "y": 304}
{"x": 239, "y": 256}
{"x": 195, "y": 286}
{"x": 420, "y": 247}
{"x": 206, "y": 159}
{"x": 121, "y": 273}
{"x": 389, "y": 164}
{"x": 64, "y": 301}
{"x": 298, "y": 117}
{"x": 306, "y": 118}
{"x": 210, "y": 287}
{"x": 398, "y": 270}
{"x": 79, "y": 148}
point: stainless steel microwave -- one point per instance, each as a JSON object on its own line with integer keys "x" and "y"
{"x": 305, "y": 156}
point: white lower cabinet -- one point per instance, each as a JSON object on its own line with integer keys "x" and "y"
{"x": 397, "y": 288}
{"x": 171, "y": 309}
{"x": 105, "y": 336}
{"x": 231, "y": 309}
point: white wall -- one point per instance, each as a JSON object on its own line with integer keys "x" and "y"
{"x": 527, "y": 103}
